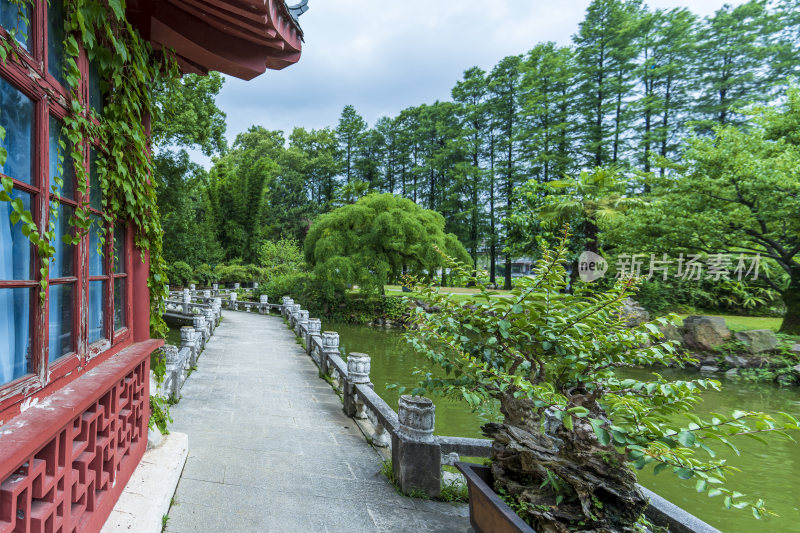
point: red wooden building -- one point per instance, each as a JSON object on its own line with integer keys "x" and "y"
{"x": 74, "y": 372}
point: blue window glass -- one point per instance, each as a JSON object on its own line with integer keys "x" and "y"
{"x": 119, "y": 303}
{"x": 97, "y": 265}
{"x": 56, "y": 53}
{"x": 95, "y": 89}
{"x": 15, "y": 18}
{"x": 97, "y": 310}
{"x": 17, "y": 121}
{"x": 95, "y": 193}
{"x": 15, "y": 333}
{"x": 61, "y": 330}
{"x": 60, "y": 161}
{"x": 17, "y": 251}
{"x": 119, "y": 249}
{"x": 62, "y": 265}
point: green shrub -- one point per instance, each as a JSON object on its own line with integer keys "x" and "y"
{"x": 394, "y": 307}
{"x": 297, "y": 285}
{"x": 205, "y": 275}
{"x": 180, "y": 273}
{"x": 281, "y": 257}
{"x": 723, "y": 296}
{"x": 255, "y": 274}
{"x": 232, "y": 274}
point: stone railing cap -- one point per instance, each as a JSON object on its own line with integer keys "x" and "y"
{"x": 417, "y": 401}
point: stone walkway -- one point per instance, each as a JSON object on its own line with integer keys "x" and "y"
{"x": 270, "y": 449}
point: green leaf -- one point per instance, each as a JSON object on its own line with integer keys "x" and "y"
{"x": 660, "y": 467}
{"x": 686, "y": 438}
{"x": 728, "y": 502}
{"x": 579, "y": 411}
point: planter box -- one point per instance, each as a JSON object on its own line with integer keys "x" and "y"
{"x": 487, "y": 512}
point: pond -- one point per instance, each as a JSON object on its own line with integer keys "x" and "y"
{"x": 769, "y": 472}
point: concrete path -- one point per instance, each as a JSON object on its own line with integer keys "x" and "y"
{"x": 270, "y": 449}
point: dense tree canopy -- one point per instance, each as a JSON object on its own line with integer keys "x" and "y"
{"x": 736, "y": 193}
{"x": 624, "y": 98}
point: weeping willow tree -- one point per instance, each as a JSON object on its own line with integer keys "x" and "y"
{"x": 374, "y": 240}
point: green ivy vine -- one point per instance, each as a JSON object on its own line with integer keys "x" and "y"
{"x": 129, "y": 66}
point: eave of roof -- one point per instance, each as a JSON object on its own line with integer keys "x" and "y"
{"x": 241, "y": 38}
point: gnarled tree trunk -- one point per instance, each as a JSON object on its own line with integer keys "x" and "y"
{"x": 598, "y": 488}
{"x": 791, "y": 298}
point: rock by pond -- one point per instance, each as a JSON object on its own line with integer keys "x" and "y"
{"x": 758, "y": 340}
{"x": 705, "y": 332}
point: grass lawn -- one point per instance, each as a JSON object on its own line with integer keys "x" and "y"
{"x": 450, "y": 290}
{"x": 458, "y": 294}
{"x": 743, "y": 323}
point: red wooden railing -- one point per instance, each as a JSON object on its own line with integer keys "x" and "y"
{"x": 65, "y": 460}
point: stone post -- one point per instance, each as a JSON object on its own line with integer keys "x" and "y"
{"x": 232, "y": 301}
{"x": 330, "y": 346}
{"x": 200, "y": 331}
{"x": 173, "y": 369}
{"x": 207, "y": 295}
{"x": 237, "y": 286}
{"x": 211, "y": 320}
{"x": 286, "y": 303}
{"x": 302, "y": 320}
{"x": 416, "y": 454}
{"x": 263, "y": 300}
{"x": 217, "y": 306}
{"x": 358, "y": 366}
{"x": 192, "y": 287}
{"x": 294, "y": 310}
{"x": 215, "y": 288}
{"x": 314, "y": 327}
{"x": 255, "y": 285}
{"x": 188, "y": 341}
{"x": 187, "y": 301}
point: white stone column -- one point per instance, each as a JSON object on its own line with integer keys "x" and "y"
{"x": 314, "y": 327}
{"x": 302, "y": 319}
{"x": 416, "y": 454}
{"x": 201, "y": 330}
{"x": 211, "y": 321}
{"x": 358, "y": 367}
{"x": 187, "y": 301}
{"x": 330, "y": 346}
{"x": 232, "y": 301}
{"x": 188, "y": 341}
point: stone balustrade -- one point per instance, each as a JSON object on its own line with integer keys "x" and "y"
{"x": 180, "y": 361}
{"x": 416, "y": 452}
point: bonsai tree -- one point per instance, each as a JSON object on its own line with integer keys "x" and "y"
{"x": 573, "y": 430}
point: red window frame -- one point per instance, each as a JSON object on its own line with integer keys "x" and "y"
{"x": 50, "y": 98}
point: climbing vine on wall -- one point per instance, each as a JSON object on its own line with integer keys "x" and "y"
{"x": 128, "y": 66}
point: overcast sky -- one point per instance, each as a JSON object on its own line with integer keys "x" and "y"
{"x": 385, "y": 55}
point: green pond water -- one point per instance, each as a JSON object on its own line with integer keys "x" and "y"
{"x": 770, "y": 472}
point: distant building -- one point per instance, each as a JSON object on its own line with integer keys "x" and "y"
{"x": 74, "y": 373}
